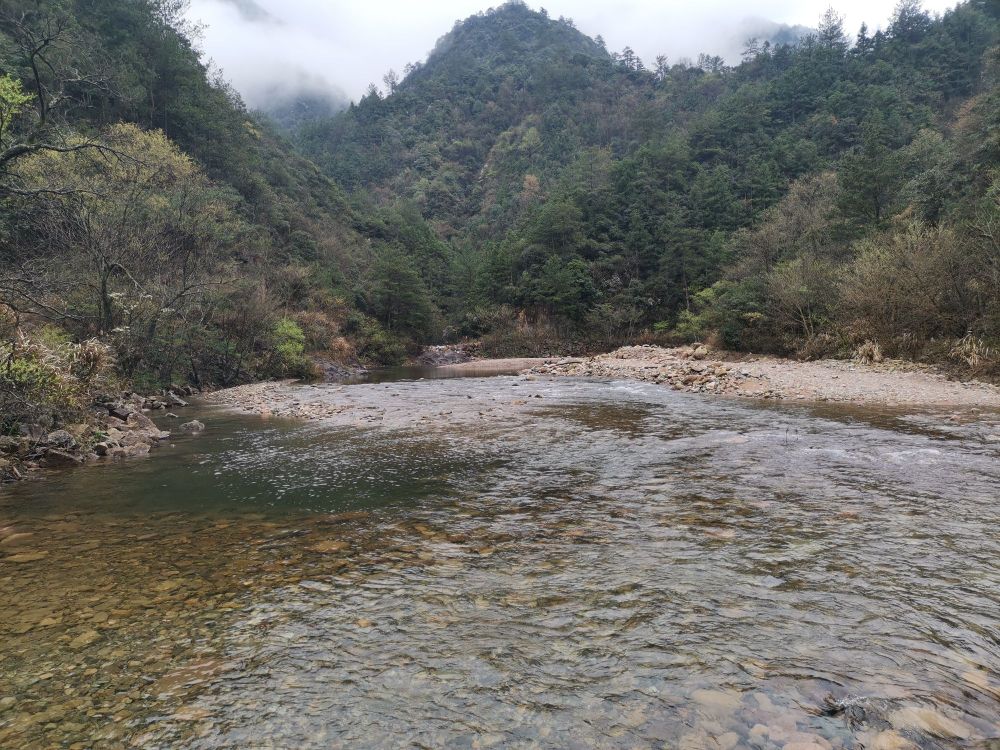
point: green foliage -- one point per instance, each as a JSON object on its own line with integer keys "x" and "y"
{"x": 374, "y": 345}
{"x": 13, "y": 98}
{"x": 580, "y": 188}
{"x": 287, "y": 347}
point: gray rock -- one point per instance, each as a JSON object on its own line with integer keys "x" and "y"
{"x": 136, "y": 437}
{"x": 174, "y": 400}
{"x": 138, "y": 421}
{"x": 192, "y": 426}
{"x": 121, "y": 412}
{"x": 60, "y": 439}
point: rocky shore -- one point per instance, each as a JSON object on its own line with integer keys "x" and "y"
{"x": 696, "y": 369}
{"x": 117, "y": 428}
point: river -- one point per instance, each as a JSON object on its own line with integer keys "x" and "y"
{"x": 608, "y": 564}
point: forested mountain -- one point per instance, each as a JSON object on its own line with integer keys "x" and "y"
{"x": 758, "y": 202}
{"x": 523, "y": 185}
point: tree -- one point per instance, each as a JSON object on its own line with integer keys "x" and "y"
{"x": 48, "y": 52}
{"x": 391, "y": 81}
{"x": 870, "y": 175}
{"x": 394, "y": 293}
{"x": 120, "y": 248}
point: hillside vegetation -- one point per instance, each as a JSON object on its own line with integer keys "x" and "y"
{"x": 150, "y": 225}
{"x": 813, "y": 198}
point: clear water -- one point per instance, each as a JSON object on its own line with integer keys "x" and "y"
{"x": 513, "y": 563}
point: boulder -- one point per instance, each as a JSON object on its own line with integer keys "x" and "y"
{"x": 55, "y": 458}
{"x": 60, "y": 439}
{"x": 120, "y": 411}
{"x": 700, "y": 353}
{"x": 138, "y": 421}
{"x": 136, "y": 437}
{"x": 174, "y": 400}
{"x": 192, "y": 426}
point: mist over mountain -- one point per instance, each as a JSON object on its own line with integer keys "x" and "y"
{"x": 258, "y": 42}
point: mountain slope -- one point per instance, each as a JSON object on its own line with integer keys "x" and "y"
{"x": 581, "y": 189}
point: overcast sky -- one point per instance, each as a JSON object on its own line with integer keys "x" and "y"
{"x": 344, "y": 45}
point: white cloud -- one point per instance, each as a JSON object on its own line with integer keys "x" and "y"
{"x": 343, "y": 46}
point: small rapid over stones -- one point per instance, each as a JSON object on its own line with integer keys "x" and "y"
{"x": 512, "y": 562}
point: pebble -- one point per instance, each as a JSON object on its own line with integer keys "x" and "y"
{"x": 85, "y": 639}
{"x": 26, "y": 557}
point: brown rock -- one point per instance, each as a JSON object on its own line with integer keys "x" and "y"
{"x": 55, "y": 458}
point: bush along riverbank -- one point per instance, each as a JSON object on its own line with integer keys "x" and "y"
{"x": 112, "y": 429}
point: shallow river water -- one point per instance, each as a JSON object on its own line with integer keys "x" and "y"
{"x": 520, "y": 563}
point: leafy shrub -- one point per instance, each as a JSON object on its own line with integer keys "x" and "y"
{"x": 374, "y": 345}
{"x": 288, "y": 346}
{"x": 47, "y": 384}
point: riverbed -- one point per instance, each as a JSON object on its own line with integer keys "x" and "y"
{"x": 513, "y": 562}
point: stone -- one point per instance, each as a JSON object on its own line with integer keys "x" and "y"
{"x": 60, "y": 439}
{"x": 174, "y": 400}
{"x": 83, "y": 640}
{"x": 134, "y": 438}
{"x": 139, "y": 421}
{"x": 55, "y": 458}
{"x": 192, "y": 426}
{"x": 26, "y": 557}
{"x": 700, "y": 353}
{"x": 121, "y": 412}
{"x": 17, "y": 538}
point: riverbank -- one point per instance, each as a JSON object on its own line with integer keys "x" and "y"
{"x": 113, "y": 429}
{"x": 689, "y": 369}
{"x": 698, "y": 370}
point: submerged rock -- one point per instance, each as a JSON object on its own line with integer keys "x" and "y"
{"x": 192, "y": 426}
